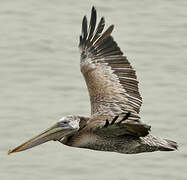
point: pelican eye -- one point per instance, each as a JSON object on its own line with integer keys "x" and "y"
{"x": 62, "y": 123}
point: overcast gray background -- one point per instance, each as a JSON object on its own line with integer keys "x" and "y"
{"x": 40, "y": 81}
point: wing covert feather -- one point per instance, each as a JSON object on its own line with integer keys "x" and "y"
{"x": 104, "y": 126}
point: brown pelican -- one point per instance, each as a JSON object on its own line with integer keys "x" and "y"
{"x": 114, "y": 124}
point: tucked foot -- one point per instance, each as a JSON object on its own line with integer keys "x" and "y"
{"x": 107, "y": 123}
{"x": 114, "y": 120}
{"x": 125, "y": 117}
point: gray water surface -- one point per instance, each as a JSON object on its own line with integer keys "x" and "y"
{"x": 40, "y": 82}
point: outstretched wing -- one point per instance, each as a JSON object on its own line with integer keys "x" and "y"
{"x": 111, "y": 80}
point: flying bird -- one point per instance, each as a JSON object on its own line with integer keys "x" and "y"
{"x": 114, "y": 124}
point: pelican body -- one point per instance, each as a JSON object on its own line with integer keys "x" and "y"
{"x": 114, "y": 124}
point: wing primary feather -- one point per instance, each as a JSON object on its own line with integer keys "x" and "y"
{"x": 99, "y": 30}
{"x": 104, "y": 46}
{"x": 92, "y": 23}
{"x": 84, "y": 31}
{"x": 104, "y": 35}
{"x": 106, "y": 43}
{"x": 80, "y": 42}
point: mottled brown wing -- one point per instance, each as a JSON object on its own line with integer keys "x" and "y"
{"x": 111, "y": 80}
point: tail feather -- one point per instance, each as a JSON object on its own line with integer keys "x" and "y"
{"x": 171, "y": 145}
{"x": 159, "y": 143}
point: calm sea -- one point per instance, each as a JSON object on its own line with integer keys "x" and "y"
{"x": 40, "y": 82}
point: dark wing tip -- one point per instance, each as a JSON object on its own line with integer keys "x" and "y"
{"x": 93, "y": 9}
{"x": 90, "y": 35}
{"x": 85, "y": 34}
{"x": 97, "y": 42}
{"x": 93, "y": 13}
{"x": 84, "y": 27}
{"x": 92, "y": 25}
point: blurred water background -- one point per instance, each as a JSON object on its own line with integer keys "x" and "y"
{"x": 40, "y": 81}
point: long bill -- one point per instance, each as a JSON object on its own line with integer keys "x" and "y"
{"x": 53, "y": 133}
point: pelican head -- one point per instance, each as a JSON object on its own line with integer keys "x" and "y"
{"x": 64, "y": 127}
